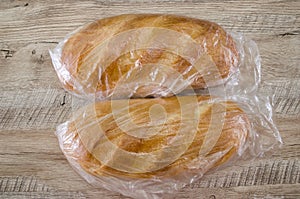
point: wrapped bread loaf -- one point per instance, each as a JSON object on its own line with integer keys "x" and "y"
{"x": 158, "y": 138}
{"x": 145, "y": 55}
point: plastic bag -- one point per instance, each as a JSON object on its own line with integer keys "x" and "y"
{"x": 144, "y": 55}
{"x": 148, "y": 147}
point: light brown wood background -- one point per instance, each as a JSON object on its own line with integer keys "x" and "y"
{"x": 32, "y": 102}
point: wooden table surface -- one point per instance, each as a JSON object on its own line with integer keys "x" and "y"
{"x": 33, "y": 103}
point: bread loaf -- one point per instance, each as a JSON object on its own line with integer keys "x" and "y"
{"x": 146, "y": 55}
{"x": 158, "y": 137}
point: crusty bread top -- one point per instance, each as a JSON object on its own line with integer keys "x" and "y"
{"x": 210, "y": 146}
{"x": 81, "y": 51}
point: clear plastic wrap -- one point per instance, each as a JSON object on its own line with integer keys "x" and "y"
{"x": 207, "y": 112}
{"x": 144, "y": 55}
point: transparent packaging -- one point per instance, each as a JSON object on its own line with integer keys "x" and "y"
{"x": 168, "y": 98}
{"x": 144, "y": 55}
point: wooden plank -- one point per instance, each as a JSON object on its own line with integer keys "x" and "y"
{"x": 267, "y": 192}
{"x": 22, "y": 184}
{"x": 36, "y": 92}
{"x": 28, "y": 68}
{"x": 26, "y": 151}
{"x": 279, "y": 62}
{"x": 37, "y": 71}
{"x": 46, "y": 108}
{"x": 31, "y": 186}
{"x": 37, "y": 109}
{"x": 39, "y": 20}
{"x": 50, "y": 195}
{"x": 280, "y": 57}
{"x": 262, "y": 172}
{"x": 284, "y": 94}
{"x": 34, "y": 109}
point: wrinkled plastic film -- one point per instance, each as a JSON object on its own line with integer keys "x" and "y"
{"x": 172, "y": 169}
{"x": 149, "y": 147}
{"x": 84, "y": 76}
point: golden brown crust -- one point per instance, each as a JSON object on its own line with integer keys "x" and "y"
{"x": 209, "y": 36}
{"x": 232, "y": 136}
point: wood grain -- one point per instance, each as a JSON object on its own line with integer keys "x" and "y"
{"x": 34, "y": 109}
{"x": 30, "y": 186}
{"x": 253, "y": 17}
{"x": 32, "y": 102}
